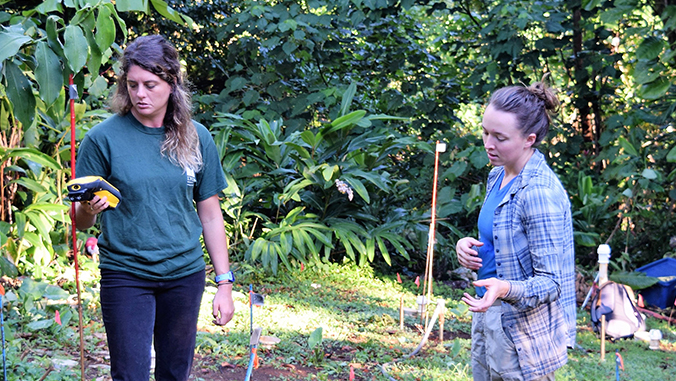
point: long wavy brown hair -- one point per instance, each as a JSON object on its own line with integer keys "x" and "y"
{"x": 158, "y": 56}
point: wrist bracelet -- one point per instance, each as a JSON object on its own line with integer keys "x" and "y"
{"x": 227, "y": 277}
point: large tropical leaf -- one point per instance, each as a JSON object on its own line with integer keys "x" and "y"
{"x": 76, "y": 48}
{"x": 359, "y": 187}
{"x": 32, "y": 155}
{"x": 345, "y": 121}
{"x": 132, "y": 5}
{"x": 48, "y": 73}
{"x": 650, "y": 48}
{"x": 105, "y": 29}
{"x": 20, "y": 93}
{"x": 655, "y": 89}
{"x": 348, "y": 95}
{"x": 11, "y": 41}
{"x": 635, "y": 280}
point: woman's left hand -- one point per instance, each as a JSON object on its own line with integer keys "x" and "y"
{"x": 224, "y": 306}
{"x": 495, "y": 289}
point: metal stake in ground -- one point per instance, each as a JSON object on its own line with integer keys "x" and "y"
{"x": 2, "y": 328}
{"x": 72, "y": 94}
{"x": 619, "y": 364}
{"x": 254, "y": 300}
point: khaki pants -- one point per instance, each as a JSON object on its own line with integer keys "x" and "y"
{"x": 494, "y": 357}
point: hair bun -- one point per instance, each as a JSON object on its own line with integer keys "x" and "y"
{"x": 545, "y": 93}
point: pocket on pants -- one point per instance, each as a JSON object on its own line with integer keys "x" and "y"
{"x": 503, "y": 357}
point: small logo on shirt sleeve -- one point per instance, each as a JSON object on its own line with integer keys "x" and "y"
{"x": 191, "y": 177}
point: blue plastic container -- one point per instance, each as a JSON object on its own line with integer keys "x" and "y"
{"x": 663, "y": 293}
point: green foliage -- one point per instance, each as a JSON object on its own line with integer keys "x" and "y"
{"x": 425, "y": 60}
{"x": 599, "y": 54}
{"x": 314, "y": 342}
{"x": 635, "y": 280}
{"x": 272, "y": 79}
{"x": 292, "y": 59}
{"x": 42, "y": 44}
{"x": 319, "y": 193}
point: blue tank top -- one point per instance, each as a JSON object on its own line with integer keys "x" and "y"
{"x": 485, "y": 224}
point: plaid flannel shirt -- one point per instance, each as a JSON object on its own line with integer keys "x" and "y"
{"x": 534, "y": 252}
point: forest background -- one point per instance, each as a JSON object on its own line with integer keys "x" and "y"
{"x": 326, "y": 115}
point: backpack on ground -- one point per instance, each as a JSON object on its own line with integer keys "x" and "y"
{"x": 623, "y": 319}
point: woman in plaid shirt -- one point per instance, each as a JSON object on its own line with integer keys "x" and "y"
{"x": 524, "y": 311}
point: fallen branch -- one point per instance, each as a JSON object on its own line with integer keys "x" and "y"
{"x": 658, "y": 316}
{"x": 49, "y": 370}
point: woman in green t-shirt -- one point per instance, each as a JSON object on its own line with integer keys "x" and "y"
{"x": 152, "y": 262}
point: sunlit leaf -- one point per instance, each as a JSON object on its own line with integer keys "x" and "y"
{"x": 655, "y": 89}
{"x": 10, "y": 42}
{"x": 650, "y": 48}
{"x": 383, "y": 251}
{"x": 105, "y": 29}
{"x": 636, "y": 280}
{"x": 30, "y": 184}
{"x": 40, "y": 324}
{"x": 34, "y": 156}
{"x": 628, "y": 147}
{"x": 55, "y": 293}
{"x": 165, "y": 10}
{"x": 48, "y": 208}
{"x": 671, "y": 156}
{"x": 132, "y": 5}
{"x": 48, "y": 6}
{"x": 359, "y": 187}
{"x": 328, "y": 172}
{"x": 347, "y": 98}
{"x": 346, "y": 120}
{"x": 315, "y": 338}
{"x": 649, "y": 174}
{"x": 75, "y": 48}
{"x": 48, "y": 73}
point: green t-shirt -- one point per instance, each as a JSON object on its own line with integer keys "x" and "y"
{"x": 154, "y": 232}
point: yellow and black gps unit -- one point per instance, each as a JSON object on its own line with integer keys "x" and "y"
{"x": 84, "y": 189}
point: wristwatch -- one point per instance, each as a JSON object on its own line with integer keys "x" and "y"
{"x": 228, "y": 277}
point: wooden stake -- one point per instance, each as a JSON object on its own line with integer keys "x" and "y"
{"x": 401, "y": 312}
{"x": 603, "y": 337}
{"x": 441, "y": 325}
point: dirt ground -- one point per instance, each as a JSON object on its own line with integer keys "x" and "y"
{"x": 228, "y": 372}
{"x": 209, "y": 368}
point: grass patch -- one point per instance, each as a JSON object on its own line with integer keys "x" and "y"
{"x": 358, "y": 313}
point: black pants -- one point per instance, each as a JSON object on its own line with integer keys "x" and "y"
{"x": 135, "y": 309}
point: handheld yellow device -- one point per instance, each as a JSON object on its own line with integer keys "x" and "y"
{"x": 84, "y": 189}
